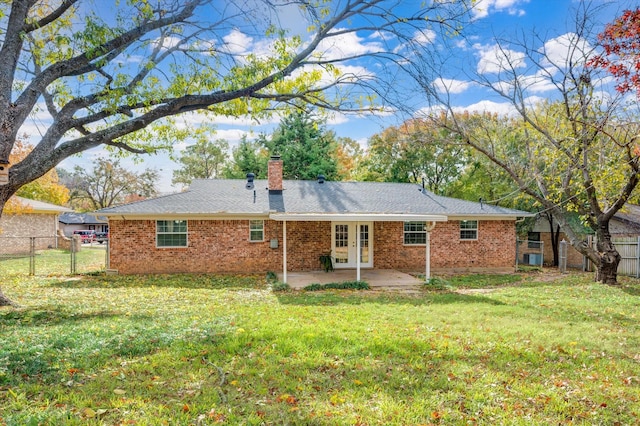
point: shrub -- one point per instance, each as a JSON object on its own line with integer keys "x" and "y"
{"x": 347, "y": 285}
{"x": 280, "y": 286}
{"x": 271, "y": 276}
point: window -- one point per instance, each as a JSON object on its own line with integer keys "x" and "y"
{"x": 468, "y": 229}
{"x": 256, "y": 230}
{"x": 415, "y": 233}
{"x": 533, "y": 240}
{"x": 171, "y": 233}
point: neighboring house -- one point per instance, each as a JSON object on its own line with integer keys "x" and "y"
{"x": 274, "y": 225}
{"x": 72, "y": 221}
{"x": 39, "y": 221}
{"x": 625, "y": 223}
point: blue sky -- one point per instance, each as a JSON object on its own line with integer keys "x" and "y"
{"x": 550, "y": 19}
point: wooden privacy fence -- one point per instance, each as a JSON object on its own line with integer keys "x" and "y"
{"x": 629, "y": 249}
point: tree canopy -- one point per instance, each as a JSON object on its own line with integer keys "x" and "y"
{"x": 107, "y": 183}
{"x": 575, "y": 152}
{"x": 307, "y": 149}
{"x": 121, "y": 79}
{"x": 202, "y": 160}
{"x": 621, "y": 56}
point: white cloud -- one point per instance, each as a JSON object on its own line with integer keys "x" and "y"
{"x": 483, "y": 8}
{"x": 494, "y": 59}
{"x": 566, "y": 49}
{"x": 346, "y": 45}
{"x": 382, "y": 35}
{"x": 237, "y": 43}
{"x": 447, "y": 85}
{"x": 502, "y": 108}
{"x": 197, "y": 118}
{"x": 424, "y": 37}
{"x": 166, "y": 42}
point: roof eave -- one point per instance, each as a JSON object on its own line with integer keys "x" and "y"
{"x": 358, "y": 217}
{"x": 174, "y": 216}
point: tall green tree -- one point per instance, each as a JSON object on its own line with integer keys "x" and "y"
{"x": 307, "y": 149}
{"x": 84, "y": 69}
{"x": 350, "y": 157}
{"x": 247, "y": 157}
{"x": 417, "y": 151}
{"x": 202, "y": 160}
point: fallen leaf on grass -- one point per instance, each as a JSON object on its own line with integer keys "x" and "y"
{"x": 119, "y": 391}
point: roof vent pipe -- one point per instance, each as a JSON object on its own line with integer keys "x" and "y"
{"x": 321, "y": 178}
{"x": 250, "y": 177}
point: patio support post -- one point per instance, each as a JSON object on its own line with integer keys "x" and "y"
{"x": 357, "y": 251}
{"x": 427, "y": 270}
{"x": 284, "y": 251}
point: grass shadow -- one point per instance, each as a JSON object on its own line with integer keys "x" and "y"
{"x": 199, "y": 281}
{"x": 51, "y": 316}
{"x": 334, "y": 298}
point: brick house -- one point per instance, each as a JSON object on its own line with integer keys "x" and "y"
{"x": 73, "y": 221}
{"x": 238, "y": 226}
{"x": 624, "y": 224}
{"x": 39, "y": 221}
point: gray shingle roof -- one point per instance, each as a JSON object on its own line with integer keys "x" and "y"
{"x": 73, "y": 218}
{"x": 41, "y": 206}
{"x": 229, "y": 196}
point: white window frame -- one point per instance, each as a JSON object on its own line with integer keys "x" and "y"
{"x": 252, "y": 230}
{"x": 185, "y": 233}
{"x": 464, "y": 229}
{"x": 415, "y": 231}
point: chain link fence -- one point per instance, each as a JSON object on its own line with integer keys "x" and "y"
{"x": 51, "y": 255}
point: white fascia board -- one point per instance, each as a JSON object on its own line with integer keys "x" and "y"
{"x": 184, "y": 216}
{"x": 355, "y": 217}
{"x": 490, "y": 217}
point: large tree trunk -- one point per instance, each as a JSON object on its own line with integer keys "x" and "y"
{"x": 4, "y": 197}
{"x": 555, "y": 239}
{"x": 4, "y": 301}
{"x": 607, "y": 271}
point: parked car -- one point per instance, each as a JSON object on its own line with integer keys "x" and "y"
{"x": 101, "y": 237}
{"x": 86, "y": 235}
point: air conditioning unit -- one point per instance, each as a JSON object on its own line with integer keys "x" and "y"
{"x": 532, "y": 259}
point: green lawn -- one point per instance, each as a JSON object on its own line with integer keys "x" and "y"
{"x": 200, "y": 350}
{"x": 91, "y": 258}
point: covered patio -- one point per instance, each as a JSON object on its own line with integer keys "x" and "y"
{"x": 378, "y": 279}
{"x": 356, "y": 242}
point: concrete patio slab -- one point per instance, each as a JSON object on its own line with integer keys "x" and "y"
{"x": 379, "y": 279}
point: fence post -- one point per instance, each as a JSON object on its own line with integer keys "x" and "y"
{"x": 638, "y": 258}
{"x": 75, "y": 245}
{"x": 562, "y": 264}
{"x": 32, "y": 256}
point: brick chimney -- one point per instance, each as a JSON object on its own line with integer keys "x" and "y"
{"x": 275, "y": 174}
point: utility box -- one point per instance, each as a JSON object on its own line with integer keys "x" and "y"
{"x": 4, "y": 172}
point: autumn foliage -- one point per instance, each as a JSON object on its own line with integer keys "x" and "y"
{"x": 621, "y": 43}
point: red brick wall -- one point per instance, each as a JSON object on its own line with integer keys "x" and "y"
{"x": 213, "y": 246}
{"x": 306, "y": 241}
{"x": 274, "y": 174}
{"x": 574, "y": 257}
{"x": 223, "y": 246}
{"x": 494, "y": 249}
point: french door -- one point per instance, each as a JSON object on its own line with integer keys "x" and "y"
{"x": 345, "y": 244}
